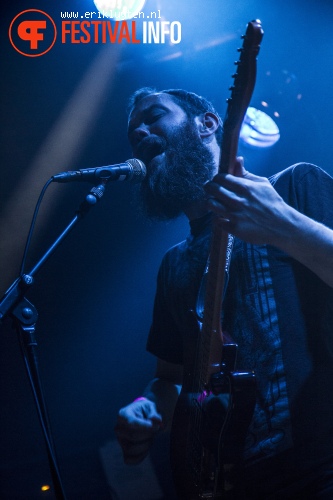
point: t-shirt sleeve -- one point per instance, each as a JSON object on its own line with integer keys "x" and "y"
{"x": 308, "y": 189}
{"x": 165, "y": 339}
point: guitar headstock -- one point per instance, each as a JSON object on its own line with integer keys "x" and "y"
{"x": 241, "y": 92}
{"x": 245, "y": 76}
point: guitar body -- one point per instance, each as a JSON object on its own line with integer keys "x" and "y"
{"x": 208, "y": 433}
{"x": 216, "y": 403}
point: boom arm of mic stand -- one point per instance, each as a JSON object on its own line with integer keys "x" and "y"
{"x": 15, "y": 292}
{"x": 25, "y": 316}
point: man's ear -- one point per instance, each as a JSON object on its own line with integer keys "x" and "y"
{"x": 207, "y": 124}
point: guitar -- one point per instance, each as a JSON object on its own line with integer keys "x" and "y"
{"x": 215, "y": 406}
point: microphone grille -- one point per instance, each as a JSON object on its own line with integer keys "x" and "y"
{"x": 139, "y": 170}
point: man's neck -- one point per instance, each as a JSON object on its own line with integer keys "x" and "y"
{"x": 196, "y": 210}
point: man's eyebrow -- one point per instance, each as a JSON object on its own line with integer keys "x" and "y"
{"x": 145, "y": 112}
{"x": 150, "y": 108}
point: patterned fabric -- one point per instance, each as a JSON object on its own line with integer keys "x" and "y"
{"x": 281, "y": 316}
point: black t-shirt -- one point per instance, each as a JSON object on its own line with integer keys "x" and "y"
{"x": 278, "y": 312}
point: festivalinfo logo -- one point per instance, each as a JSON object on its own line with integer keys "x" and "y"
{"x": 34, "y": 32}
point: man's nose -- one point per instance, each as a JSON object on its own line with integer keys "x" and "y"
{"x": 140, "y": 133}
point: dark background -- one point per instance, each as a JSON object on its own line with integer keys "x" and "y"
{"x": 66, "y": 110}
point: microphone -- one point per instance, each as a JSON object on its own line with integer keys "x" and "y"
{"x": 132, "y": 170}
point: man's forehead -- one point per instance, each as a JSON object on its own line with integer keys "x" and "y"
{"x": 151, "y": 100}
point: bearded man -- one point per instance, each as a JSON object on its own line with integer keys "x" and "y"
{"x": 277, "y": 305}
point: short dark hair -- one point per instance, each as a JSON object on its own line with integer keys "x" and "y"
{"x": 191, "y": 103}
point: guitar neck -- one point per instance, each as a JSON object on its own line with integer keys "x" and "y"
{"x": 206, "y": 435}
{"x": 244, "y": 80}
{"x": 211, "y": 334}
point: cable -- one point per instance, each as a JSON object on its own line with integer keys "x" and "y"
{"x": 32, "y": 226}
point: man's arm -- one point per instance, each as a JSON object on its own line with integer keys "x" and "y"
{"x": 138, "y": 422}
{"x": 256, "y": 213}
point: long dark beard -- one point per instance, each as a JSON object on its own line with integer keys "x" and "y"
{"x": 168, "y": 190}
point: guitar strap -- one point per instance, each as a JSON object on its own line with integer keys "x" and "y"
{"x": 200, "y": 304}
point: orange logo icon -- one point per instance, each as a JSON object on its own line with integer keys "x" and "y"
{"x": 32, "y": 33}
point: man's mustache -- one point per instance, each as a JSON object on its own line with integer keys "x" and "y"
{"x": 149, "y": 147}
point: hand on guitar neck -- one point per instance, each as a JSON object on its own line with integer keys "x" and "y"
{"x": 251, "y": 209}
{"x": 249, "y": 206}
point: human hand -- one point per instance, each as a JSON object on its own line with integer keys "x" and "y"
{"x": 136, "y": 427}
{"x": 248, "y": 205}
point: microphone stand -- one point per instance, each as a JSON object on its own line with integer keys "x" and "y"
{"x": 24, "y": 314}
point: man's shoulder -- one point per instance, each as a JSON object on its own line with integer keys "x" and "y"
{"x": 195, "y": 241}
{"x": 306, "y": 187}
{"x": 296, "y": 173}
{"x": 173, "y": 253}
{"x": 192, "y": 249}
